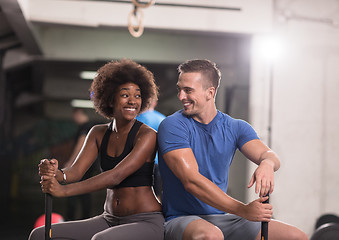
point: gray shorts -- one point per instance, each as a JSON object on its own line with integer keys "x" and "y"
{"x": 143, "y": 226}
{"x": 232, "y": 226}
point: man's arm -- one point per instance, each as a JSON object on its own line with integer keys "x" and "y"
{"x": 183, "y": 164}
{"x": 268, "y": 162}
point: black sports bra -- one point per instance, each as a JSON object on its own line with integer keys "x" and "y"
{"x": 143, "y": 176}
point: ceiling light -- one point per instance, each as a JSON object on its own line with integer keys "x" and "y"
{"x": 89, "y": 75}
{"x": 79, "y": 103}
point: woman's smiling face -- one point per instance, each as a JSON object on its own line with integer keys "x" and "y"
{"x": 127, "y": 101}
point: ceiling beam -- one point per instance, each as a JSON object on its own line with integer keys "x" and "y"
{"x": 15, "y": 18}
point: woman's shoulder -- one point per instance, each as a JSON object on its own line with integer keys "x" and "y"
{"x": 146, "y": 130}
{"x": 146, "y": 135}
{"x": 99, "y": 129}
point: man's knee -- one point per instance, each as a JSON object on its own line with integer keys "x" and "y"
{"x": 211, "y": 233}
{"x": 281, "y": 230}
{"x": 298, "y": 235}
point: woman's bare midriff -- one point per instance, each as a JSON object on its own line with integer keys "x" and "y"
{"x": 131, "y": 200}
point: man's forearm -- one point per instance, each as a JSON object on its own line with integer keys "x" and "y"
{"x": 209, "y": 193}
{"x": 271, "y": 158}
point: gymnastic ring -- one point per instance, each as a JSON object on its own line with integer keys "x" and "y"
{"x": 143, "y": 5}
{"x": 135, "y": 31}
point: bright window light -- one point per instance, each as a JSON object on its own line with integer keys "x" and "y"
{"x": 271, "y": 47}
{"x": 78, "y": 103}
{"x": 89, "y": 75}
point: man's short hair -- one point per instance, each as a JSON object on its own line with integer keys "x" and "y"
{"x": 206, "y": 67}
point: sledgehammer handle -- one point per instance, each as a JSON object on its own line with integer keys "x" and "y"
{"x": 264, "y": 225}
{"x": 48, "y": 216}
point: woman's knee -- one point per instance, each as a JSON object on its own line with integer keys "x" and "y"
{"x": 37, "y": 233}
{"x": 98, "y": 236}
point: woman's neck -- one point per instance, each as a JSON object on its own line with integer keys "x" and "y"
{"x": 123, "y": 125}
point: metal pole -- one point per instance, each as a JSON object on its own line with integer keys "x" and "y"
{"x": 264, "y": 225}
{"x": 48, "y": 216}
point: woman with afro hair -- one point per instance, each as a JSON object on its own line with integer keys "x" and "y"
{"x": 126, "y": 149}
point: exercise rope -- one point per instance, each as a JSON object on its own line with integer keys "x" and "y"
{"x": 136, "y": 17}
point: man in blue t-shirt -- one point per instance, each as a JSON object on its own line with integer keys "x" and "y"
{"x": 196, "y": 149}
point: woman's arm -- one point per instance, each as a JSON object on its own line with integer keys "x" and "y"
{"x": 83, "y": 161}
{"x": 144, "y": 150}
{"x": 86, "y": 157}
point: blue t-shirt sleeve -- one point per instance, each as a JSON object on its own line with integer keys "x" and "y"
{"x": 172, "y": 134}
{"x": 245, "y": 133}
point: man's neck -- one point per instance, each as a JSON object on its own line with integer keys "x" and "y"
{"x": 206, "y": 116}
